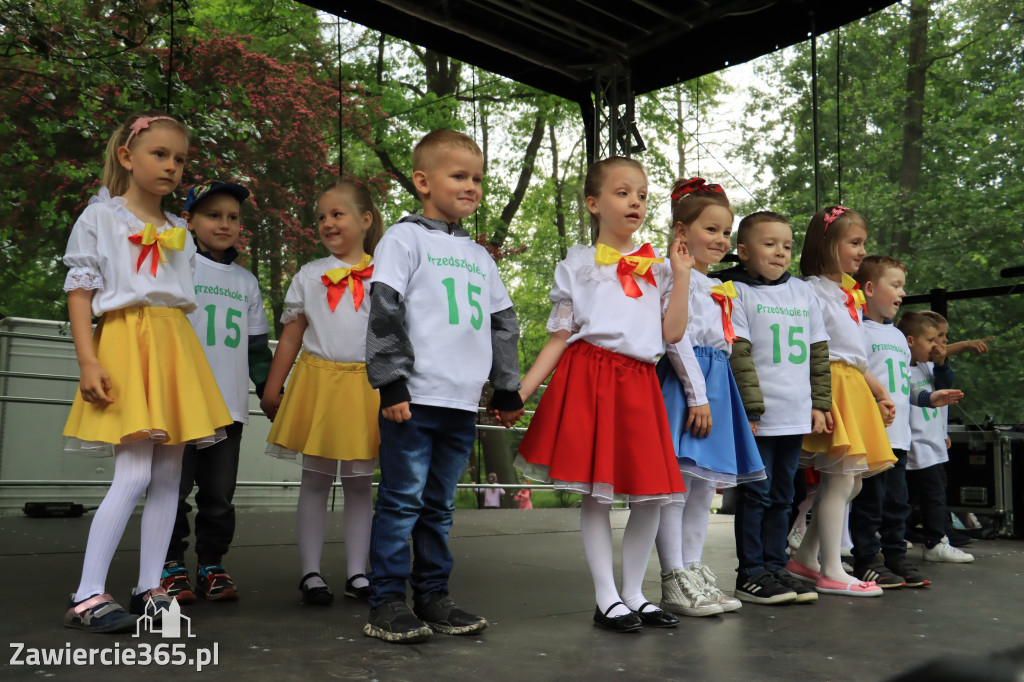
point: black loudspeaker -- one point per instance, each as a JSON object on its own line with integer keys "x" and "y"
{"x": 985, "y": 475}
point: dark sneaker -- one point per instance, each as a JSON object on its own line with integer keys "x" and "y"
{"x": 911, "y": 574}
{"x": 763, "y": 589}
{"x": 174, "y": 580}
{"x": 215, "y": 584}
{"x": 804, "y": 592}
{"x": 439, "y": 612}
{"x": 98, "y": 614}
{"x": 878, "y": 573}
{"x": 393, "y": 621}
{"x": 153, "y": 603}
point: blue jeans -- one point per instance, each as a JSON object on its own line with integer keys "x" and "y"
{"x": 421, "y": 461}
{"x": 882, "y": 507}
{"x": 763, "y": 507}
{"x": 213, "y": 471}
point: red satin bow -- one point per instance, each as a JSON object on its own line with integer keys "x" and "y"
{"x": 854, "y": 296}
{"x": 626, "y": 269}
{"x": 723, "y": 295}
{"x": 336, "y": 289}
{"x": 696, "y": 186}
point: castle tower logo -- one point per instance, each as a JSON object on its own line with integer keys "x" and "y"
{"x": 171, "y": 624}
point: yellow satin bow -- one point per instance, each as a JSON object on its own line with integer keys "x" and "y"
{"x": 854, "y": 296}
{"x": 638, "y": 263}
{"x": 723, "y": 295}
{"x": 154, "y": 242}
{"x": 338, "y": 279}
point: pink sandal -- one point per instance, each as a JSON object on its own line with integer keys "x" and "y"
{"x": 98, "y": 614}
{"x": 857, "y": 588}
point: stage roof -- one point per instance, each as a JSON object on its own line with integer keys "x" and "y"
{"x": 560, "y": 45}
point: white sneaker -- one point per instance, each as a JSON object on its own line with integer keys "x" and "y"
{"x": 682, "y": 595}
{"x": 947, "y": 553}
{"x": 703, "y": 576}
{"x": 795, "y": 538}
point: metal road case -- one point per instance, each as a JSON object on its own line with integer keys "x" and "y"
{"x": 985, "y": 475}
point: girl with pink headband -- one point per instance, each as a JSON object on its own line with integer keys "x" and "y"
{"x": 146, "y": 388}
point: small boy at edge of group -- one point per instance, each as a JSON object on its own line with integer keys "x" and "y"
{"x": 926, "y": 476}
{"x": 780, "y": 362}
{"x": 231, "y": 325}
{"x": 878, "y": 515}
{"x": 441, "y": 324}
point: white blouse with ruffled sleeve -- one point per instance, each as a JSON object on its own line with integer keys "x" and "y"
{"x": 100, "y": 257}
{"x": 590, "y": 303}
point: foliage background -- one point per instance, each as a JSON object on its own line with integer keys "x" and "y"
{"x": 918, "y": 129}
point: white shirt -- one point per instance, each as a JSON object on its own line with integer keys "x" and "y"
{"x": 451, "y": 287}
{"x": 781, "y": 322}
{"x": 703, "y": 328}
{"x": 100, "y": 257}
{"x": 589, "y": 302}
{"x": 889, "y": 361}
{"x": 230, "y": 310}
{"x": 845, "y": 335}
{"x": 927, "y": 424}
{"x": 338, "y": 335}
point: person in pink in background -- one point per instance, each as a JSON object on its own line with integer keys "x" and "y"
{"x": 523, "y": 498}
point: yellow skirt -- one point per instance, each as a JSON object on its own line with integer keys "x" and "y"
{"x": 329, "y": 411}
{"x": 858, "y": 442}
{"x": 162, "y": 385}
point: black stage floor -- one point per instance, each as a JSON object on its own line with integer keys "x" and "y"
{"x": 525, "y": 571}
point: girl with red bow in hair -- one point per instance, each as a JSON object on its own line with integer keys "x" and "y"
{"x": 146, "y": 388}
{"x": 857, "y": 445}
{"x": 327, "y": 419}
{"x": 713, "y": 441}
{"x": 601, "y": 428}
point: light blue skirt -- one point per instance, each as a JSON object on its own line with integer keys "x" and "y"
{"x": 728, "y": 455}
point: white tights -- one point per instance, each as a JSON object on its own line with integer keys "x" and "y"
{"x": 138, "y": 468}
{"x": 314, "y": 492}
{"x": 637, "y": 542}
{"x": 825, "y": 531}
{"x": 683, "y": 527}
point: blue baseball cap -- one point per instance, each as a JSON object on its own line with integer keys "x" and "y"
{"x": 199, "y": 192}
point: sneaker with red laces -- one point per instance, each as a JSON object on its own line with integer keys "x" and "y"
{"x": 174, "y": 580}
{"x": 215, "y": 584}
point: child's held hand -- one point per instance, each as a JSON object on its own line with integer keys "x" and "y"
{"x": 948, "y": 396}
{"x": 270, "y": 404}
{"x": 679, "y": 258}
{"x": 753, "y": 427}
{"x": 508, "y": 418}
{"x": 821, "y": 421}
{"x": 95, "y": 384}
{"x": 698, "y": 420}
{"x": 398, "y": 413}
{"x": 887, "y": 408}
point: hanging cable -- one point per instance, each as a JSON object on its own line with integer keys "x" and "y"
{"x": 839, "y": 131}
{"x": 170, "y": 64}
{"x": 341, "y": 139}
{"x": 476, "y": 214}
{"x": 814, "y": 109}
{"x": 696, "y": 128}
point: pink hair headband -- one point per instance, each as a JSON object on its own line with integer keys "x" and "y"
{"x": 141, "y": 123}
{"x": 833, "y": 214}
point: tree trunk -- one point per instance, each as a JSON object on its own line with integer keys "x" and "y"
{"x": 529, "y": 161}
{"x": 913, "y": 124}
{"x": 559, "y": 202}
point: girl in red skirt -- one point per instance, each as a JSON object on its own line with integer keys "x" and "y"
{"x": 601, "y": 427}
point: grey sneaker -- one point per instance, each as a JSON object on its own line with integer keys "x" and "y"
{"x": 440, "y": 613}
{"x": 682, "y": 594}
{"x": 393, "y": 621}
{"x": 703, "y": 576}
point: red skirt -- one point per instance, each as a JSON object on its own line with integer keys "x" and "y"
{"x": 601, "y": 429}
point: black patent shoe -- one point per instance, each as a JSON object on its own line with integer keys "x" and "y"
{"x": 656, "y": 618}
{"x": 315, "y": 596}
{"x": 354, "y": 592}
{"x": 629, "y": 622}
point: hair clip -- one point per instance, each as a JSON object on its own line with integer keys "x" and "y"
{"x": 833, "y": 214}
{"x": 697, "y": 186}
{"x": 141, "y": 123}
